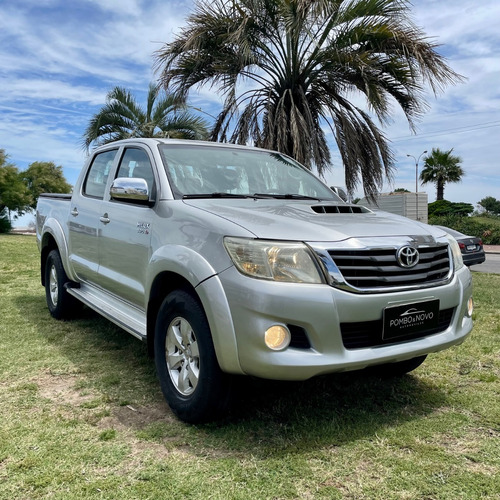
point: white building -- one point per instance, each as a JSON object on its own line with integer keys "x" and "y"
{"x": 411, "y": 205}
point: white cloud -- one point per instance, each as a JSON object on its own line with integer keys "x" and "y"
{"x": 42, "y": 90}
{"x": 454, "y": 22}
{"x": 113, "y": 42}
{"x": 31, "y": 140}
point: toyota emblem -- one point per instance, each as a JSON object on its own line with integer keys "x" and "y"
{"x": 407, "y": 257}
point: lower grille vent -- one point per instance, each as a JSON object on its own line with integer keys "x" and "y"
{"x": 299, "y": 337}
{"x": 369, "y": 333}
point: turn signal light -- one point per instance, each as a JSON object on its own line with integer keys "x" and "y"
{"x": 470, "y": 307}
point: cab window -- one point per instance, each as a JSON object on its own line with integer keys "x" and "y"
{"x": 135, "y": 163}
{"x": 97, "y": 176}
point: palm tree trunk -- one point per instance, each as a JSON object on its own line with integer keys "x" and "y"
{"x": 440, "y": 191}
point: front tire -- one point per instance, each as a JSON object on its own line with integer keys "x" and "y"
{"x": 61, "y": 305}
{"x": 191, "y": 380}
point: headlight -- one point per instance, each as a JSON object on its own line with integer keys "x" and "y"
{"x": 458, "y": 262}
{"x": 274, "y": 260}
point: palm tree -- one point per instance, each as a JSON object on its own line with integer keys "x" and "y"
{"x": 122, "y": 117}
{"x": 441, "y": 167}
{"x": 290, "y": 71}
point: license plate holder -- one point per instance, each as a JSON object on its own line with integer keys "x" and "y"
{"x": 408, "y": 319}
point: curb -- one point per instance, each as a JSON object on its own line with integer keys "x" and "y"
{"x": 491, "y": 248}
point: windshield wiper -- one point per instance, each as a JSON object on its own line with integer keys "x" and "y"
{"x": 288, "y": 196}
{"x": 220, "y": 195}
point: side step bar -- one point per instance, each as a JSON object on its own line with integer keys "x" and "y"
{"x": 133, "y": 320}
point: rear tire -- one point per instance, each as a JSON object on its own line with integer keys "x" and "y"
{"x": 400, "y": 368}
{"x": 61, "y": 305}
{"x": 191, "y": 380}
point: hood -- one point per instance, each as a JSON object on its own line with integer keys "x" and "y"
{"x": 301, "y": 220}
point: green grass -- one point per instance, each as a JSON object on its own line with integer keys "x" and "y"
{"x": 81, "y": 416}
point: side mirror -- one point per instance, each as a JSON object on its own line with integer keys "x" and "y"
{"x": 129, "y": 189}
{"x": 339, "y": 192}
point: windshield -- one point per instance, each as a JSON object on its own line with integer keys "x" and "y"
{"x": 199, "y": 171}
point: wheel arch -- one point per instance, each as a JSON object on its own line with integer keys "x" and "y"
{"x": 172, "y": 267}
{"x": 164, "y": 283}
{"x": 53, "y": 238}
{"x": 211, "y": 296}
{"x": 48, "y": 244}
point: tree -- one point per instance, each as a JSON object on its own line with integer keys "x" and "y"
{"x": 14, "y": 194}
{"x": 440, "y": 208}
{"x": 441, "y": 167}
{"x": 44, "y": 177}
{"x": 292, "y": 69}
{"x": 491, "y": 205}
{"x": 122, "y": 117}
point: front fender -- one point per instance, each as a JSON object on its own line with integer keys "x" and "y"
{"x": 195, "y": 269}
{"x": 180, "y": 260}
{"x": 215, "y": 303}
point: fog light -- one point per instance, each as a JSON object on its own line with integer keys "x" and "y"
{"x": 470, "y": 307}
{"x": 277, "y": 337}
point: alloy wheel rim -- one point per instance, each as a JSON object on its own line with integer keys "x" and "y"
{"x": 182, "y": 356}
{"x": 53, "y": 286}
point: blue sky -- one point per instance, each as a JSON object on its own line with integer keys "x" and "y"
{"x": 58, "y": 59}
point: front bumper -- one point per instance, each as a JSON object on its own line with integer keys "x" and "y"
{"x": 318, "y": 310}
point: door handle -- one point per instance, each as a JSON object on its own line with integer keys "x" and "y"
{"x": 74, "y": 212}
{"x": 105, "y": 219}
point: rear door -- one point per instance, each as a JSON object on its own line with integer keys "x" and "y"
{"x": 84, "y": 219}
{"x": 125, "y": 242}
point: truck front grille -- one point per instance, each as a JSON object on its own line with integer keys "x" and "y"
{"x": 379, "y": 269}
{"x": 369, "y": 333}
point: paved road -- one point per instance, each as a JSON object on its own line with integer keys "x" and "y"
{"x": 490, "y": 265}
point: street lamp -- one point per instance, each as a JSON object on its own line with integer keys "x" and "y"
{"x": 416, "y": 177}
{"x": 204, "y": 112}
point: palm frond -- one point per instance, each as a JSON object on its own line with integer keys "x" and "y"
{"x": 122, "y": 117}
{"x": 301, "y": 61}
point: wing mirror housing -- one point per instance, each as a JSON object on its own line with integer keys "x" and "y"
{"x": 340, "y": 193}
{"x": 129, "y": 189}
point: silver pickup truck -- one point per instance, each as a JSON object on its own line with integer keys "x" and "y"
{"x": 229, "y": 260}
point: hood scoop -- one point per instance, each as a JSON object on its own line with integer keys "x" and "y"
{"x": 339, "y": 209}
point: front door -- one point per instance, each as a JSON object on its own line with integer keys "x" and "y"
{"x": 125, "y": 243}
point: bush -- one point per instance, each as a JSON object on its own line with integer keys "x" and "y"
{"x": 445, "y": 207}
{"x": 5, "y": 225}
{"x": 487, "y": 228}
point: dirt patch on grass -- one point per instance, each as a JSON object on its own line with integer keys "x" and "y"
{"x": 137, "y": 417}
{"x": 63, "y": 389}
{"x": 69, "y": 398}
{"x": 68, "y": 390}
{"x": 128, "y": 421}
